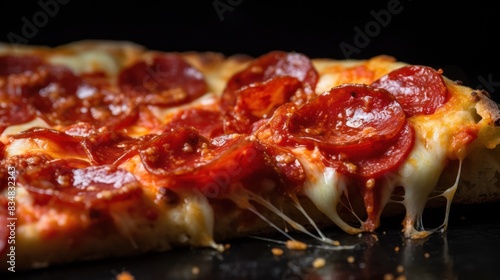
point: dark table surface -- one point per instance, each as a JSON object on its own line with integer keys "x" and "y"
{"x": 469, "y": 249}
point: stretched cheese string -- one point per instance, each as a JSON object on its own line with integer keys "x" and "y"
{"x": 311, "y": 221}
{"x": 448, "y": 194}
{"x": 242, "y": 198}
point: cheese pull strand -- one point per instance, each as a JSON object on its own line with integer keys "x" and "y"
{"x": 243, "y": 198}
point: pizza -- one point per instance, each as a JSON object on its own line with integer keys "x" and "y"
{"x": 109, "y": 148}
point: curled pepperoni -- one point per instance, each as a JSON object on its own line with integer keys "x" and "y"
{"x": 15, "y": 112}
{"x": 288, "y": 166}
{"x": 419, "y": 89}
{"x": 207, "y": 122}
{"x": 174, "y": 152}
{"x": 56, "y": 140}
{"x": 233, "y": 163}
{"x": 2, "y": 152}
{"x": 17, "y": 64}
{"x": 74, "y": 183}
{"x": 376, "y": 165}
{"x": 66, "y": 99}
{"x": 270, "y": 65}
{"x": 106, "y": 146}
{"x": 169, "y": 80}
{"x": 350, "y": 118}
{"x": 390, "y": 159}
{"x": 212, "y": 167}
{"x": 55, "y": 91}
{"x": 259, "y": 101}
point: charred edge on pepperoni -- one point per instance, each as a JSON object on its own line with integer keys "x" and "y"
{"x": 94, "y": 214}
{"x": 167, "y": 196}
{"x": 486, "y": 93}
{"x": 475, "y": 97}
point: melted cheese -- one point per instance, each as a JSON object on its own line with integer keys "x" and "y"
{"x": 88, "y": 61}
{"x": 15, "y": 129}
{"x": 23, "y": 145}
{"x": 324, "y": 186}
{"x": 418, "y": 175}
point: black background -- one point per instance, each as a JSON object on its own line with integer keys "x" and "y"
{"x": 457, "y": 37}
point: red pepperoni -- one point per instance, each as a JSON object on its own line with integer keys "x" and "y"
{"x": 419, "y": 89}
{"x": 288, "y": 166}
{"x": 232, "y": 163}
{"x": 213, "y": 167}
{"x": 349, "y": 118}
{"x": 169, "y": 80}
{"x": 17, "y": 64}
{"x": 270, "y": 65}
{"x": 108, "y": 146}
{"x": 174, "y": 152}
{"x": 74, "y": 183}
{"x": 259, "y": 101}
{"x": 207, "y": 122}
{"x": 390, "y": 159}
{"x": 2, "y": 152}
{"x": 15, "y": 112}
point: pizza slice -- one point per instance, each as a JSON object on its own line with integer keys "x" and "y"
{"x": 111, "y": 149}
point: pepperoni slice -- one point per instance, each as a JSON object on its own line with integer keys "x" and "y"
{"x": 259, "y": 101}
{"x": 53, "y": 93}
{"x": 107, "y": 146}
{"x": 74, "y": 183}
{"x": 169, "y": 80}
{"x": 270, "y": 65}
{"x": 207, "y": 122}
{"x": 390, "y": 159}
{"x": 15, "y": 112}
{"x": 213, "y": 167}
{"x": 17, "y": 64}
{"x": 419, "y": 89}
{"x": 174, "y": 152}
{"x": 350, "y": 118}
{"x": 2, "y": 152}
{"x": 232, "y": 163}
{"x": 288, "y": 166}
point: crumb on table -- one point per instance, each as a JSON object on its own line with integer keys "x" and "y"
{"x": 277, "y": 251}
{"x": 124, "y": 275}
{"x": 319, "y": 262}
{"x": 296, "y": 245}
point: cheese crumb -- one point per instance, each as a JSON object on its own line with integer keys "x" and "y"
{"x": 350, "y": 259}
{"x": 388, "y": 276}
{"x": 195, "y": 270}
{"x": 296, "y": 245}
{"x": 277, "y": 251}
{"x": 400, "y": 268}
{"x": 319, "y": 262}
{"x": 370, "y": 183}
{"x": 427, "y": 255}
{"x": 396, "y": 249}
{"x": 124, "y": 275}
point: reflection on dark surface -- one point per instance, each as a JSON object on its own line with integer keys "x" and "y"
{"x": 468, "y": 250}
{"x": 417, "y": 261}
